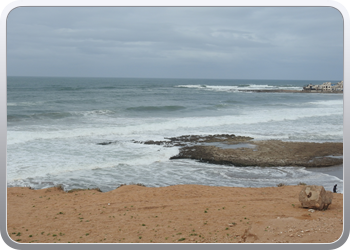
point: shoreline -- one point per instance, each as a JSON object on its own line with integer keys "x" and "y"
{"x": 231, "y": 151}
{"x": 336, "y": 171}
{"x": 186, "y": 213}
{"x": 292, "y": 91}
{"x": 173, "y": 214}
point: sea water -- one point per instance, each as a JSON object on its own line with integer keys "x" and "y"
{"x": 55, "y": 127}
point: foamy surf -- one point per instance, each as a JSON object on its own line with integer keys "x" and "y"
{"x": 238, "y": 88}
{"x": 56, "y": 127}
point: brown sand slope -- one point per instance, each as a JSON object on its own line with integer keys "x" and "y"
{"x": 173, "y": 214}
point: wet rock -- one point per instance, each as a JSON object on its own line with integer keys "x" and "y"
{"x": 315, "y": 197}
{"x": 271, "y": 153}
{"x": 104, "y": 143}
{"x": 190, "y": 140}
{"x": 229, "y": 149}
{"x": 154, "y": 142}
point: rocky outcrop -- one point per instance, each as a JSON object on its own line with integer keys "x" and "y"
{"x": 268, "y": 154}
{"x": 291, "y": 91}
{"x": 190, "y": 140}
{"x": 229, "y": 149}
{"x": 315, "y": 197}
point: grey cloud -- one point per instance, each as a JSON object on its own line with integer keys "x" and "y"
{"x": 176, "y": 42}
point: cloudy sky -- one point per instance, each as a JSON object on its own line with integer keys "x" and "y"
{"x": 303, "y": 43}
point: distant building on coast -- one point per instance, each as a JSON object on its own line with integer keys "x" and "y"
{"x": 325, "y": 87}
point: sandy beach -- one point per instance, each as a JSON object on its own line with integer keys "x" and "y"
{"x": 172, "y": 214}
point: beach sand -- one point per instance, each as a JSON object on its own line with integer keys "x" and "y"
{"x": 172, "y": 214}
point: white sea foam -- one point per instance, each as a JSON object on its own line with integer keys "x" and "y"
{"x": 239, "y": 87}
{"x": 71, "y": 158}
{"x": 186, "y": 172}
{"x": 129, "y": 126}
{"x": 24, "y": 103}
{"x": 92, "y": 112}
{"x": 334, "y": 103}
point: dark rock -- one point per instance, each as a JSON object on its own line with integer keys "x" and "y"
{"x": 105, "y": 143}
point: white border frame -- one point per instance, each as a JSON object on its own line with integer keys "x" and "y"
{"x": 116, "y": 3}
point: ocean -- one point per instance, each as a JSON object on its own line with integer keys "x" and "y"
{"x": 55, "y": 126}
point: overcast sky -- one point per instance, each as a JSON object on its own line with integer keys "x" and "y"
{"x": 303, "y": 43}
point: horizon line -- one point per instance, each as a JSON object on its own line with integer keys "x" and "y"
{"x": 187, "y": 78}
